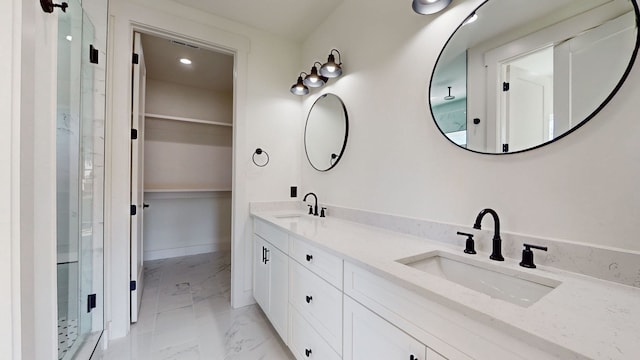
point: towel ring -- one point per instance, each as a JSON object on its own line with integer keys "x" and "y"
{"x": 259, "y": 151}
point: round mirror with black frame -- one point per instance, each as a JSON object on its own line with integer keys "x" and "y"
{"x": 519, "y": 74}
{"x": 326, "y": 132}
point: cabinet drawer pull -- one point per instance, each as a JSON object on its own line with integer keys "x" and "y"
{"x": 307, "y": 352}
{"x": 266, "y": 257}
{"x": 309, "y": 298}
{"x": 309, "y": 257}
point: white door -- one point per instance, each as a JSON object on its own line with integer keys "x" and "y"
{"x": 527, "y": 108}
{"x": 137, "y": 178}
{"x": 597, "y": 52}
{"x": 368, "y": 336}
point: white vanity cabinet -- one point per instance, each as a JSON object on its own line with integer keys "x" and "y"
{"x": 325, "y": 265}
{"x": 368, "y": 336}
{"x": 271, "y": 279}
{"x": 315, "y": 298}
{"x": 305, "y": 342}
{"x": 317, "y": 302}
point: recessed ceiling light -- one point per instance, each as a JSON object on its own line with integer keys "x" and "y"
{"x": 69, "y": 37}
{"x": 185, "y": 61}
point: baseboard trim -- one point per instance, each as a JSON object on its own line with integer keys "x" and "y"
{"x": 185, "y": 251}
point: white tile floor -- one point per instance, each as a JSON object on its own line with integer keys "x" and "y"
{"x": 186, "y": 314}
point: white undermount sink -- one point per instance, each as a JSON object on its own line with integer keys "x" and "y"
{"x": 288, "y": 217}
{"x": 516, "y": 287}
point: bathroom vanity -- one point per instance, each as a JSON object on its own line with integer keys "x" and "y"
{"x": 337, "y": 289}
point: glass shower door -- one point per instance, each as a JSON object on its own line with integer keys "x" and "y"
{"x": 79, "y": 179}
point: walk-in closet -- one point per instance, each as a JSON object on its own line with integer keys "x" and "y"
{"x": 187, "y": 149}
{"x": 181, "y": 174}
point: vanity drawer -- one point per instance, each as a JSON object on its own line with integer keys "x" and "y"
{"x": 323, "y": 264}
{"x": 318, "y": 302}
{"x": 305, "y": 343}
{"x": 272, "y": 234}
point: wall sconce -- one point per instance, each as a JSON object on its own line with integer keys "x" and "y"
{"x": 427, "y": 7}
{"x": 318, "y": 76}
{"x": 314, "y": 80}
{"x": 299, "y": 88}
{"x": 331, "y": 69}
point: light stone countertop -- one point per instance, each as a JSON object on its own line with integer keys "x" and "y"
{"x": 593, "y": 318}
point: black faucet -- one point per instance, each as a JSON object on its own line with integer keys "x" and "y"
{"x": 496, "y": 254}
{"x": 315, "y": 207}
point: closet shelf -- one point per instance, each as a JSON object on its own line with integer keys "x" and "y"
{"x": 182, "y": 190}
{"x": 188, "y": 120}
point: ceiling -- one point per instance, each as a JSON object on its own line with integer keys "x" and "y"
{"x": 209, "y": 69}
{"x": 292, "y": 19}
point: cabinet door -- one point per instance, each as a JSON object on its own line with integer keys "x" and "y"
{"x": 260, "y": 274}
{"x": 367, "y": 336}
{"x": 317, "y": 301}
{"x": 432, "y": 355}
{"x": 278, "y": 264}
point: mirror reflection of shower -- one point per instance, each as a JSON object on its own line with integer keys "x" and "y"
{"x": 449, "y": 97}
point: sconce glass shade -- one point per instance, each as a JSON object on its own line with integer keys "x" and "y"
{"x": 427, "y": 7}
{"x": 299, "y": 88}
{"x": 314, "y": 80}
{"x": 331, "y": 69}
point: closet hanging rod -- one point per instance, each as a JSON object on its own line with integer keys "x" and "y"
{"x": 184, "y": 119}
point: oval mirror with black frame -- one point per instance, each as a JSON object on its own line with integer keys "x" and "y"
{"x": 520, "y": 74}
{"x": 326, "y": 132}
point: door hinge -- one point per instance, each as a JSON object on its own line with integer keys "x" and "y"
{"x": 505, "y": 86}
{"x": 136, "y": 58}
{"x": 93, "y": 55}
{"x": 133, "y": 210}
{"x": 134, "y": 134}
{"x": 91, "y": 302}
{"x": 133, "y": 285}
{"x": 505, "y": 148}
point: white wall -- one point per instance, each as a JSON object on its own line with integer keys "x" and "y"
{"x": 27, "y": 216}
{"x": 10, "y": 26}
{"x": 181, "y": 155}
{"x": 179, "y": 224}
{"x": 166, "y": 98}
{"x": 583, "y": 188}
{"x": 266, "y": 116}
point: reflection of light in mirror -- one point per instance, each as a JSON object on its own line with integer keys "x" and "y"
{"x": 69, "y": 37}
{"x": 185, "y": 61}
{"x": 471, "y": 19}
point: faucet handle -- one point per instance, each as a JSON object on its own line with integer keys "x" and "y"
{"x": 527, "y": 255}
{"x": 310, "y": 209}
{"x": 470, "y": 245}
{"x": 322, "y": 212}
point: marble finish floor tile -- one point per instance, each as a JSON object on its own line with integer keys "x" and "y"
{"x": 186, "y": 314}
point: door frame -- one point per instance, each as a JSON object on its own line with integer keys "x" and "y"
{"x": 493, "y": 59}
{"x": 127, "y": 18}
